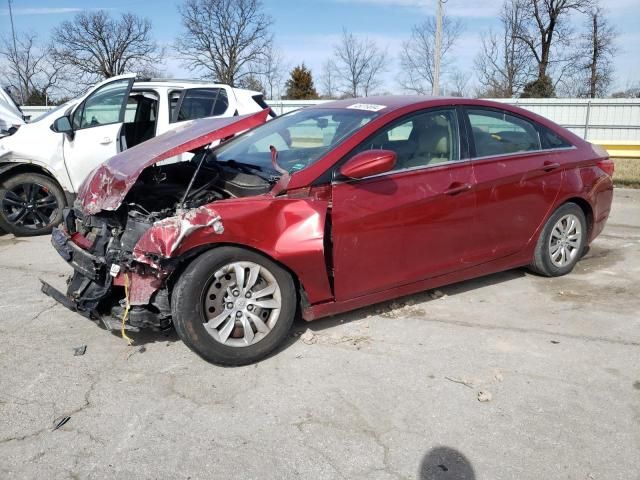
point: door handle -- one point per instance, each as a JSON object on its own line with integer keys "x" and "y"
{"x": 106, "y": 141}
{"x": 550, "y": 166}
{"x": 456, "y": 188}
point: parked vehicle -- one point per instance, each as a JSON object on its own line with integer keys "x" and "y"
{"x": 44, "y": 162}
{"x": 325, "y": 210}
{"x": 11, "y": 117}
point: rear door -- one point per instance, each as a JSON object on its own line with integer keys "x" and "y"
{"x": 517, "y": 181}
{"x": 97, "y": 123}
{"x": 409, "y": 224}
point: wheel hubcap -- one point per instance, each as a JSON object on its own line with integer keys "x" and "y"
{"x": 242, "y": 304}
{"x": 29, "y": 205}
{"x": 565, "y": 240}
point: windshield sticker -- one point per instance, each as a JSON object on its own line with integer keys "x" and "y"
{"x": 370, "y": 107}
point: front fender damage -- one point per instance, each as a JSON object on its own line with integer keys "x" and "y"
{"x": 166, "y": 235}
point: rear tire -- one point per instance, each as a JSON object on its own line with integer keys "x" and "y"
{"x": 30, "y": 204}
{"x": 562, "y": 242}
{"x": 220, "y": 310}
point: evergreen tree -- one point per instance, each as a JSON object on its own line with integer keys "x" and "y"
{"x": 539, "y": 88}
{"x": 300, "y": 85}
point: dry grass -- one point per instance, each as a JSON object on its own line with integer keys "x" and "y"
{"x": 627, "y": 172}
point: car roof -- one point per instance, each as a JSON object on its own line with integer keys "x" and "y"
{"x": 395, "y": 102}
{"x": 391, "y": 102}
{"x": 177, "y": 83}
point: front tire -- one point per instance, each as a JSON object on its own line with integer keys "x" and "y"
{"x": 30, "y": 204}
{"x": 233, "y": 306}
{"x": 561, "y": 242}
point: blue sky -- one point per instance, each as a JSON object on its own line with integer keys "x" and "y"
{"x": 305, "y": 30}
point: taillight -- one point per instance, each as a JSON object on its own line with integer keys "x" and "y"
{"x": 606, "y": 165}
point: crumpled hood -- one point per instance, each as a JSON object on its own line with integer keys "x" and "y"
{"x": 107, "y": 185}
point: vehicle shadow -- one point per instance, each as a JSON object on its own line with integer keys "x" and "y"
{"x": 387, "y": 308}
{"x": 148, "y": 336}
{"x": 441, "y": 463}
{"x": 144, "y": 336}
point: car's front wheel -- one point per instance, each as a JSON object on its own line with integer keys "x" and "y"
{"x": 233, "y": 306}
{"x": 30, "y": 204}
{"x": 561, "y": 241}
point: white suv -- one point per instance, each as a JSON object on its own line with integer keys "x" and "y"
{"x": 43, "y": 164}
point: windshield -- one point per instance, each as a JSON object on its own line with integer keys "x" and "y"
{"x": 297, "y": 140}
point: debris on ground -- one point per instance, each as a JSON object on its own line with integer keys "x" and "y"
{"x": 498, "y": 377}
{"x": 308, "y": 337}
{"x": 484, "y": 396}
{"x": 59, "y": 422}
{"x": 398, "y": 309}
{"x": 555, "y": 342}
{"x": 466, "y": 383}
{"x": 436, "y": 294}
{"x": 78, "y": 351}
{"x": 140, "y": 349}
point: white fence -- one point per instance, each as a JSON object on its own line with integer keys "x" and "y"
{"x": 598, "y": 120}
{"x": 603, "y": 121}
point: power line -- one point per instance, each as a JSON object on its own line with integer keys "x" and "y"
{"x": 15, "y": 52}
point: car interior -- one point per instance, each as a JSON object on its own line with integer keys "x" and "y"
{"x": 140, "y": 119}
{"x": 501, "y": 134}
{"x": 425, "y": 140}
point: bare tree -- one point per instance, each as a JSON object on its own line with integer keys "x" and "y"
{"x": 29, "y": 68}
{"x": 417, "y": 57}
{"x": 328, "y": 79}
{"x": 272, "y": 72}
{"x": 225, "y": 39}
{"x": 459, "y": 83}
{"x": 598, "y": 45}
{"x": 359, "y": 63}
{"x": 504, "y": 64}
{"x": 95, "y": 45}
{"x": 545, "y": 26}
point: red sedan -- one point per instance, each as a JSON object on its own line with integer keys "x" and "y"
{"x": 321, "y": 211}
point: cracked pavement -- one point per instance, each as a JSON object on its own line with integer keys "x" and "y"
{"x": 385, "y": 392}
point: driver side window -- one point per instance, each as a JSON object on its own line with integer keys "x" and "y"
{"x": 420, "y": 140}
{"x": 102, "y": 107}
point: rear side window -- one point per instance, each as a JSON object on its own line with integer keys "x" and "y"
{"x": 259, "y": 99}
{"x": 552, "y": 140}
{"x": 499, "y": 133}
{"x": 200, "y": 103}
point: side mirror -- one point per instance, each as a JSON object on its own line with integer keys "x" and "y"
{"x": 368, "y": 163}
{"x": 62, "y": 125}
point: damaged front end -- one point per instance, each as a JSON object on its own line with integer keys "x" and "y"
{"x": 106, "y": 277}
{"x": 121, "y": 241}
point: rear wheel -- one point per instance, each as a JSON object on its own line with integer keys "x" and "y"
{"x": 30, "y": 204}
{"x": 233, "y": 306}
{"x": 561, "y": 242}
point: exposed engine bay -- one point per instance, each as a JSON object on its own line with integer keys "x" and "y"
{"x": 113, "y": 278}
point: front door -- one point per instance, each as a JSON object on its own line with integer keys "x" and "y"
{"x": 97, "y": 124}
{"x": 409, "y": 224}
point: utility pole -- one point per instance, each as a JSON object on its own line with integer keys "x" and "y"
{"x": 435, "y": 88}
{"x": 15, "y": 52}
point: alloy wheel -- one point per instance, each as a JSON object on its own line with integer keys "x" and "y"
{"x": 29, "y": 205}
{"x": 565, "y": 240}
{"x": 242, "y": 304}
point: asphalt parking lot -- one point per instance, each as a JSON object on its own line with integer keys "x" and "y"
{"x": 391, "y": 391}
